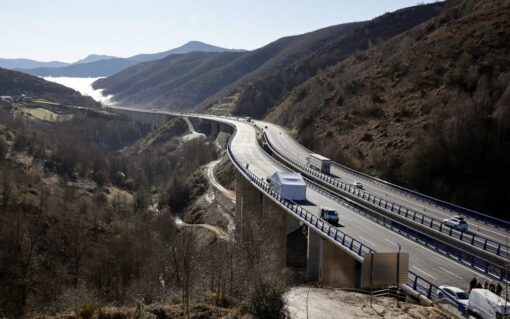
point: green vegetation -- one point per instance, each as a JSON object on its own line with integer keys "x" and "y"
{"x": 266, "y": 302}
{"x": 46, "y": 115}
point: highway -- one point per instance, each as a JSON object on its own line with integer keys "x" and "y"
{"x": 425, "y": 262}
{"x": 291, "y": 148}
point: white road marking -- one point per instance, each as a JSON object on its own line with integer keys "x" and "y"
{"x": 451, "y": 273}
{"x": 390, "y": 241}
{"x": 424, "y": 272}
{"x": 368, "y": 241}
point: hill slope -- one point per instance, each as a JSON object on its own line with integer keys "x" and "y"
{"x": 15, "y": 83}
{"x": 428, "y": 109}
{"x": 99, "y": 66}
{"x": 27, "y": 63}
{"x": 267, "y": 88}
{"x": 259, "y": 78}
{"x": 94, "y": 58}
{"x": 210, "y": 81}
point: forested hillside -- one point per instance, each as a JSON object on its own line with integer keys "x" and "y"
{"x": 428, "y": 109}
{"x": 14, "y": 83}
{"x": 184, "y": 82}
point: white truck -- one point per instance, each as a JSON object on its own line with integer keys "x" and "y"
{"x": 289, "y": 184}
{"x": 488, "y": 305}
{"x": 319, "y": 162}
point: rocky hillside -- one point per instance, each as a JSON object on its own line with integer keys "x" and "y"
{"x": 429, "y": 109}
{"x": 14, "y": 83}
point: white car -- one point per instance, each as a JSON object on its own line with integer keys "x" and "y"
{"x": 456, "y": 222}
{"x": 455, "y": 294}
{"x": 357, "y": 185}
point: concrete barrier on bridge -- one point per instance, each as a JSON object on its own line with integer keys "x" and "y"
{"x": 154, "y": 119}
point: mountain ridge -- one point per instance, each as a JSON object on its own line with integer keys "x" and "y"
{"x": 96, "y": 65}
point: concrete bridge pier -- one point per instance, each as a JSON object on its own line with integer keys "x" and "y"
{"x": 261, "y": 233}
{"x": 272, "y": 239}
{"x": 215, "y": 128}
{"x": 331, "y": 265}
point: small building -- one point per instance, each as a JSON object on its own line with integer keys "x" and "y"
{"x": 289, "y": 184}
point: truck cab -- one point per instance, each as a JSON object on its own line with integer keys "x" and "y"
{"x": 330, "y": 215}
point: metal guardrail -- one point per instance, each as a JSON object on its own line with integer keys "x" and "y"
{"x": 486, "y": 219}
{"x": 428, "y": 289}
{"x": 422, "y": 285}
{"x": 496, "y": 222}
{"x": 320, "y": 225}
{"x": 463, "y": 257}
{"x": 433, "y": 223}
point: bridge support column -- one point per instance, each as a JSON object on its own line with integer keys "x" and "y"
{"x": 215, "y": 128}
{"x": 313, "y": 256}
{"x": 293, "y": 224}
{"x": 339, "y": 269}
{"x": 261, "y": 233}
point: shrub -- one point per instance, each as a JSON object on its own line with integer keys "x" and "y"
{"x": 266, "y": 301}
{"x": 87, "y": 310}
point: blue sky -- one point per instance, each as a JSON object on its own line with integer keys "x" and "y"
{"x": 68, "y": 30}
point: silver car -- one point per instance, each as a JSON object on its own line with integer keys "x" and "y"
{"x": 456, "y": 222}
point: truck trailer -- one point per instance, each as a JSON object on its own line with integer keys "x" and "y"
{"x": 289, "y": 184}
{"x": 319, "y": 162}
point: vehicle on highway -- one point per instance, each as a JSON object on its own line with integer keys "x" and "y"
{"x": 319, "y": 162}
{"x": 487, "y": 305}
{"x": 357, "y": 184}
{"x": 290, "y": 185}
{"x": 329, "y": 215}
{"x": 453, "y": 293}
{"x": 456, "y": 222}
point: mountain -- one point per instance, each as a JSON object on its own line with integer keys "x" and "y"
{"x": 95, "y": 58}
{"x": 14, "y": 83}
{"x": 199, "y": 77}
{"x": 265, "y": 89}
{"x": 28, "y": 64}
{"x": 192, "y": 46}
{"x": 102, "y": 65}
{"x": 257, "y": 79}
{"x": 428, "y": 109}
{"x": 176, "y": 78}
{"x": 92, "y": 69}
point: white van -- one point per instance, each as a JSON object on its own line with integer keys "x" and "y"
{"x": 487, "y": 304}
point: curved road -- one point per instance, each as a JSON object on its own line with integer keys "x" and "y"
{"x": 291, "y": 148}
{"x": 425, "y": 262}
